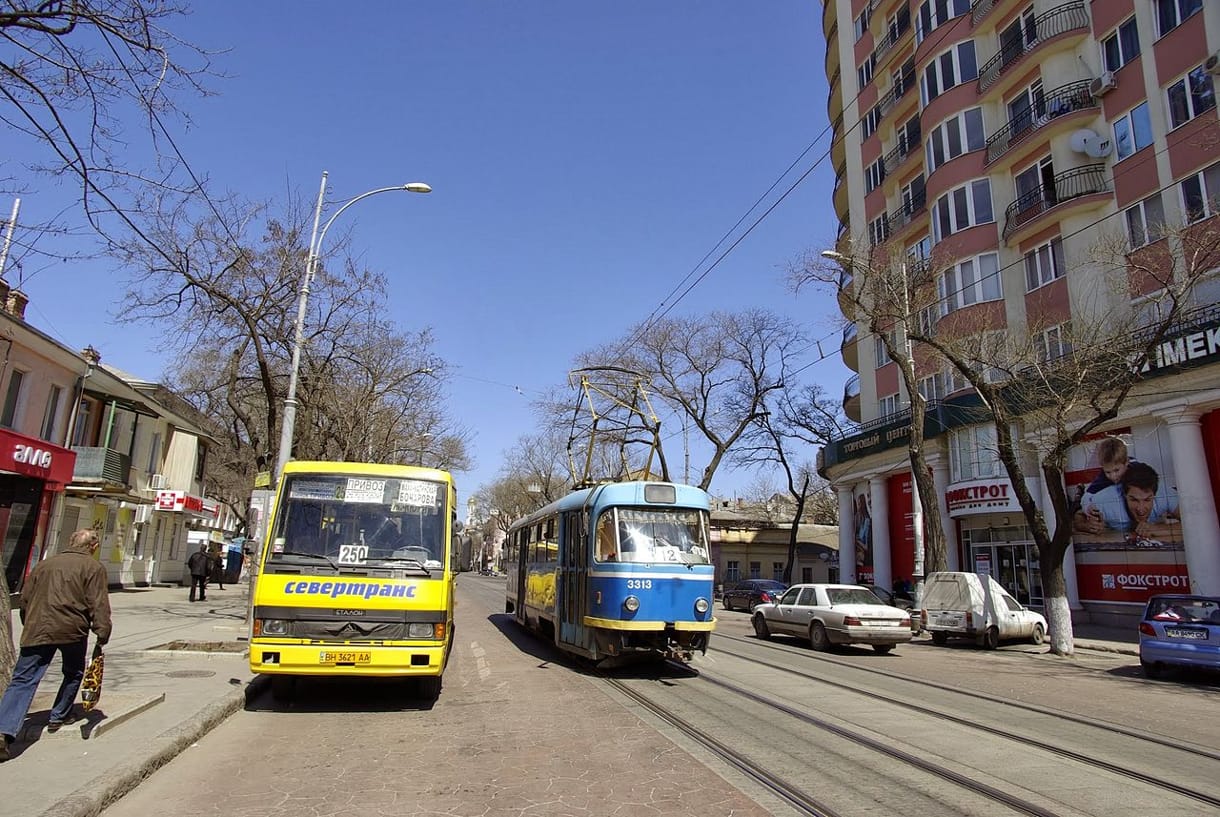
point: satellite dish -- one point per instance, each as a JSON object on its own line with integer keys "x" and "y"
{"x": 1098, "y": 148}
{"x": 1080, "y": 140}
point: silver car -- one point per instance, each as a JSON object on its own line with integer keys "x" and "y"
{"x": 827, "y": 614}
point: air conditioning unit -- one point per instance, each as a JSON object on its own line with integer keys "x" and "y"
{"x": 1212, "y": 64}
{"x": 143, "y": 514}
{"x": 157, "y": 482}
{"x": 1102, "y": 84}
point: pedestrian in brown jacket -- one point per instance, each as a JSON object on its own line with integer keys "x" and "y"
{"x": 63, "y": 599}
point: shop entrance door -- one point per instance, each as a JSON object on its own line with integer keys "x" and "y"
{"x": 1018, "y": 570}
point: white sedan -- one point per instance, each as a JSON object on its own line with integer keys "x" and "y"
{"x": 827, "y": 614}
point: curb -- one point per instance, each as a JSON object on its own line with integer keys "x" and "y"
{"x": 93, "y": 797}
{"x": 1097, "y": 646}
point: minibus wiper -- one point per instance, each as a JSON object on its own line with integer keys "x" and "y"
{"x": 406, "y": 560}
{"x": 326, "y": 559}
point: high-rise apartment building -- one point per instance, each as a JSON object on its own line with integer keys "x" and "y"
{"x": 1023, "y": 131}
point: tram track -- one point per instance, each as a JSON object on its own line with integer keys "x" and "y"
{"x": 975, "y": 695}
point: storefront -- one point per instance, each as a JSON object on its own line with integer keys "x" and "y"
{"x": 994, "y": 537}
{"x": 175, "y": 513}
{"x": 32, "y": 473}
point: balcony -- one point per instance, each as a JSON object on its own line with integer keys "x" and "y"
{"x": 895, "y": 33}
{"x": 94, "y": 464}
{"x": 905, "y": 214}
{"x": 905, "y": 148}
{"x": 1059, "y": 102}
{"x": 851, "y": 398}
{"x": 1073, "y": 184}
{"x": 906, "y": 81}
{"x": 1047, "y": 26}
{"x": 980, "y": 9}
{"x": 849, "y": 348}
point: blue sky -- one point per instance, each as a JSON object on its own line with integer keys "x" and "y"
{"x": 584, "y": 157}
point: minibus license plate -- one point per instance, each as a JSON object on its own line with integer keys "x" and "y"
{"x": 345, "y": 657}
{"x": 1174, "y": 632}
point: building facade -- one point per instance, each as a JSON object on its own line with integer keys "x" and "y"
{"x": 997, "y": 140}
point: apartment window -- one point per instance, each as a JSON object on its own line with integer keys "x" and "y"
{"x": 962, "y": 207}
{"x": 904, "y": 78}
{"x": 777, "y": 571}
{"x": 755, "y": 570}
{"x": 878, "y": 230}
{"x": 154, "y": 454}
{"x": 955, "y": 66}
{"x": 1171, "y": 13}
{"x": 933, "y": 387}
{"x": 934, "y": 13}
{"x": 888, "y": 405}
{"x": 1145, "y": 221}
{"x": 84, "y": 417}
{"x": 1122, "y": 46}
{"x": 1044, "y": 264}
{"x": 12, "y": 398}
{"x": 732, "y": 570}
{"x": 861, "y": 24}
{"x": 1206, "y": 291}
{"x": 913, "y": 195}
{"x": 51, "y": 416}
{"x": 969, "y": 282}
{"x": 953, "y": 137}
{"x": 1190, "y": 96}
{"x": 1053, "y": 343}
{"x": 881, "y": 353}
{"x": 1132, "y": 131}
{"x": 900, "y": 21}
{"x": 973, "y": 453}
{"x": 1199, "y": 194}
{"x": 874, "y": 175}
{"x": 201, "y": 458}
{"x": 864, "y": 74}
{"x": 925, "y": 321}
{"x": 871, "y": 121}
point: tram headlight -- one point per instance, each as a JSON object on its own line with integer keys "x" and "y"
{"x": 631, "y": 604}
{"x": 701, "y": 606}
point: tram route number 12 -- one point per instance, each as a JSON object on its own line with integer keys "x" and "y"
{"x": 639, "y": 584}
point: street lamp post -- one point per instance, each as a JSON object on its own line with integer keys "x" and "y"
{"x": 315, "y": 247}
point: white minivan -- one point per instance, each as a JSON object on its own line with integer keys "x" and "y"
{"x": 975, "y": 605}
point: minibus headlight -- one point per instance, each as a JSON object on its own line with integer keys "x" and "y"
{"x": 420, "y": 629}
{"x": 701, "y": 605}
{"x": 274, "y": 626}
{"x": 631, "y": 604}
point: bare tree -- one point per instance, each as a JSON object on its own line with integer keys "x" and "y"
{"x": 885, "y": 291}
{"x": 717, "y": 370}
{"x": 536, "y": 472}
{"x": 1063, "y": 395}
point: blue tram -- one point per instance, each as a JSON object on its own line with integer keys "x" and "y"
{"x": 618, "y": 569}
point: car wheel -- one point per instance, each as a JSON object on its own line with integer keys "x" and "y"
{"x": 726, "y": 604}
{"x": 818, "y": 638}
{"x": 760, "y": 626}
{"x": 1038, "y": 636}
{"x": 882, "y": 648}
{"x": 940, "y": 639}
{"x": 1152, "y": 669}
{"x": 990, "y": 639}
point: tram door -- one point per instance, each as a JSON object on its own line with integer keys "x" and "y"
{"x": 573, "y": 567}
{"x": 520, "y": 551}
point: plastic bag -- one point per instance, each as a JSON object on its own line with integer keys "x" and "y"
{"x": 91, "y": 686}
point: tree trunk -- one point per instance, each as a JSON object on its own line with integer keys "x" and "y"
{"x": 1058, "y": 612}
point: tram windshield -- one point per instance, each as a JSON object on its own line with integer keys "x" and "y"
{"x": 341, "y": 521}
{"x": 652, "y": 535}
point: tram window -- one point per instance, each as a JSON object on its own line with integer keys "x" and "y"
{"x": 606, "y": 550}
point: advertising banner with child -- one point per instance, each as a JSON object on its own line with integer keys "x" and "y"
{"x": 1125, "y": 524}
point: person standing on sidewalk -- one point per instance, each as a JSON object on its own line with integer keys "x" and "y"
{"x": 200, "y": 565}
{"x": 64, "y": 597}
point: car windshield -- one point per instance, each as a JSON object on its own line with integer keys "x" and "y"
{"x": 1185, "y": 610}
{"x": 653, "y": 535}
{"x": 851, "y": 595}
{"x": 359, "y": 520}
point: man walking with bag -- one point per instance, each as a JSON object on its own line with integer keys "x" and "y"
{"x": 64, "y": 597}
{"x": 200, "y": 565}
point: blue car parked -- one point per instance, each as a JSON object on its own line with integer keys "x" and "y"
{"x": 1180, "y": 630}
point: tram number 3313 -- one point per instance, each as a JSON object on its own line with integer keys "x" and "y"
{"x": 639, "y": 584}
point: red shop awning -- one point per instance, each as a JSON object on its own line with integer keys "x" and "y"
{"x": 32, "y": 457}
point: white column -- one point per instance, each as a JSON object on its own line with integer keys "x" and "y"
{"x": 1069, "y": 555}
{"x": 881, "y": 533}
{"x": 1200, "y": 526}
{"x": 847, "y": 536}
{"x": 940, "y": 480}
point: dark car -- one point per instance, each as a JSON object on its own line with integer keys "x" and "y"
{"x": 1180, "y": 630}
{"x": 750, "y": 592}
